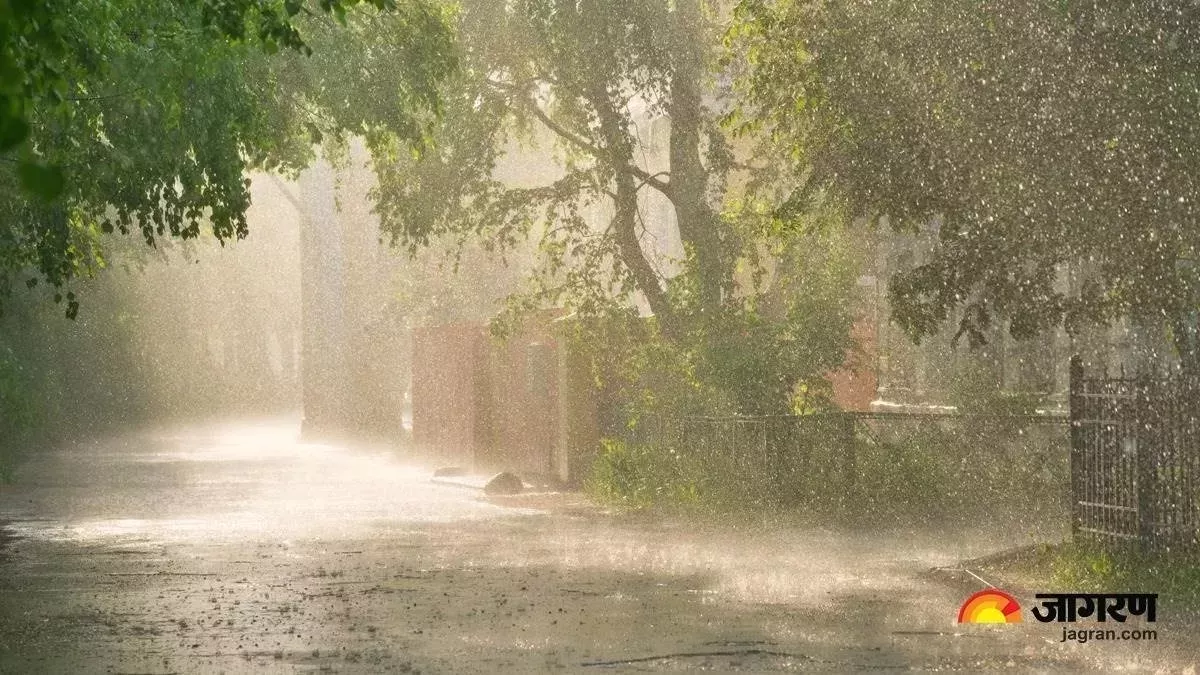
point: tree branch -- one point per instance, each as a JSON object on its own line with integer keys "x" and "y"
{"x": 624, "y": 220}
{"x": 287, "y": 194}
{"x": 583, "y": 143}
{"x": 654, "y": 177}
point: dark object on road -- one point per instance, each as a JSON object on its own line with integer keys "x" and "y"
{"x": 504, "y": 483}
{"x": 450, "y": 472}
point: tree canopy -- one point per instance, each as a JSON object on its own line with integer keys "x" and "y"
{"x": 585, "y": 82}
{"x": 1051, "y": 144}
{"x": 118, "y": 115}
{"x": 570, "y": 74}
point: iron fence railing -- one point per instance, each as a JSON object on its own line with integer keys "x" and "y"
{"x": 1124, "y": 463}
{"x": 1135, "y": 459}
{"x": 958, "y": 461}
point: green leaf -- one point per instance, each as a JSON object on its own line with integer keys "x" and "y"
{"x": 42, "y": 180}
{"x": 13, "y": 131}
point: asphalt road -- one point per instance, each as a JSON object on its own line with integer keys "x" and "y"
{"x": 236, "y": 548}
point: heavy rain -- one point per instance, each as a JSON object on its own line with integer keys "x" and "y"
{"x": 432, "y": 336}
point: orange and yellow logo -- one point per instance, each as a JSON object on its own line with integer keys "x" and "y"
{"x": 990, "y": 606}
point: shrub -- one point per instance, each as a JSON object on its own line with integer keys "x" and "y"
{"x": 639, "y": 476}
{"x": 911, "y": 470}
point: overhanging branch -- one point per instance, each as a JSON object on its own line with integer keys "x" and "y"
{"x": 579, "y": 141}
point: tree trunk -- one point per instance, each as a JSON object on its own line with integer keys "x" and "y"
{"x": 619, "y": 151}
{"x": 699, "y": 225}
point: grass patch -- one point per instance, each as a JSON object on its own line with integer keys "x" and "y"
{"x": 1084, "y": 568}
{"x": 1175, "y": 577}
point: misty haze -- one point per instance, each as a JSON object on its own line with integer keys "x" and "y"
{"x": 419, "y": 336}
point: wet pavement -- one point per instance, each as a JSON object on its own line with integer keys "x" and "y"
{"x": 236, "y": 548}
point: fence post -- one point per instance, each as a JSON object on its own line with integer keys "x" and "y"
{"x": 1075, "y": 403}
{"x": 1146, "y": 438}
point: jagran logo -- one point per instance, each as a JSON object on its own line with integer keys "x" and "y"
{"x": 993, "y": 605}
{"x": 1071, "y": 607}
{"x": 990, "y": 606}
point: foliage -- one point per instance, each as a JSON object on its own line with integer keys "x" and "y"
{"x": 975, "y": 389}
{"x": 1083, "y": 568}
{"x": 769, "y": 355}
{"x": 1035, "y": 137}
{"x": 145, "y": 116}
{"x": 901, "y": 470}
{"x": 44, "y": 55}
{"x": 572, "y": 76}
{"x": 637, "y": 476}
{"x": 547, "y": 138}
{"x": 639, "y": 372}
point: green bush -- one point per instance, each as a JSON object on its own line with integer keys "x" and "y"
{"x": 902, "y": 470}
{"x": 904, "y": 476}
{"x": 639, "y": 476}
{"x": 971, "y": 468}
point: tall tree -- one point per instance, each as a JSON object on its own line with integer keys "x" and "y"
{"x": 574, "y": 72}
{"x": 590, "y": 76}
{"x": 1039, "y": 137}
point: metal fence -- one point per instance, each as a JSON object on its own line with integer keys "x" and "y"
{"x": 891, "y": 461}
{"x": 1135, "y": 459}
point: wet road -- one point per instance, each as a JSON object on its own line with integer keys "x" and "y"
{"x": 239, "y": 549}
